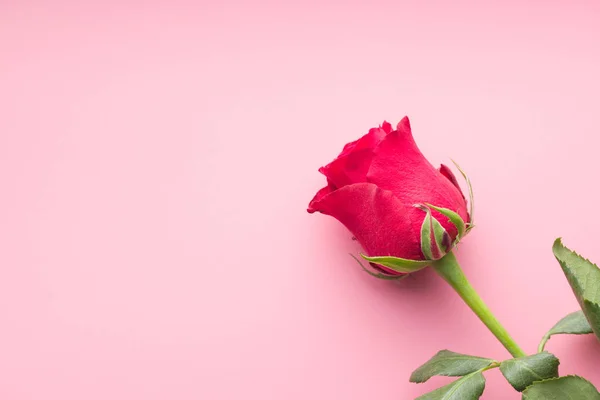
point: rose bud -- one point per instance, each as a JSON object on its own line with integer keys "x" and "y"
{"x": 402, "y": 210}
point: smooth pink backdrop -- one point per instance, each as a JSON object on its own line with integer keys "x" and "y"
{"x": 157, "y": 158}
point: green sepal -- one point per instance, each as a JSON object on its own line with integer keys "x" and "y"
{"x": 379, "y": 275}
{"x": 524, "y": 371}
{"x": 566, "y": 387}
{"x": 471, "y": 223}
{"x": 426, "y": 235}
{"x": 584, "y": 278}
{"x": 454, "y": 218}
{"x": 469, "y": 387}
{"x": 449, "y": 363}
{"x": 440, "y": 236}
{"x": 401, "y": 265}
{"x": 574, "y": 323}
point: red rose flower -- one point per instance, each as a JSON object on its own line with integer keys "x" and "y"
{"x": 382, "y": 189}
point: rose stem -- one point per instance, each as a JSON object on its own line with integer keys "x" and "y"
{"x": 449, "y": 269}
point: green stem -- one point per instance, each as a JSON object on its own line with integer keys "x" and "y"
{"x": 448, "y": 268}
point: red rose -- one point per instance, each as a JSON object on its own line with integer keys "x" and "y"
{"x": 379, "y": 187}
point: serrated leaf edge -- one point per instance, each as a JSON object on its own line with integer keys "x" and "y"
{"x": 457, "y": 384}
{"x": 578, "y": 291}
{"x": 458, "y": 356}
{"x": 520, "y": 361}
{"x": 556, "y": 379}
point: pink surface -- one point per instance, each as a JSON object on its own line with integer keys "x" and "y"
{"x": 156, "y": 162}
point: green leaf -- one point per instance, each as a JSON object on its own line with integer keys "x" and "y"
{"x": 379, "y": 275}
{"x": 398, "y": 264}
{"x": 584, "y": 278}
{"x": 453, "y": 217}
{"x": 574, "y": 324}
{"x": 593, "y": 315}
{"x": 523, "y": 371}
{"x": 469, "y": 387}
{"x": 449, "y": 363}
{"x": 566, "y": 387}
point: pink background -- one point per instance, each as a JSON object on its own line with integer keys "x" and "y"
{"x": 156, "y": 161}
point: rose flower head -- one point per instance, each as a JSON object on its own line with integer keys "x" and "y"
{"x": 402, "y": 210}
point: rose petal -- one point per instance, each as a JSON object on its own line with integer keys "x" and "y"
{"x": 387, "y": 127}
{"x": 352, "y": 164}
{"x": 447, "y": 172}
{"x": 379, "y": 221}
{"x": 399, "y": 166}
{"x": 320, "y": 194}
